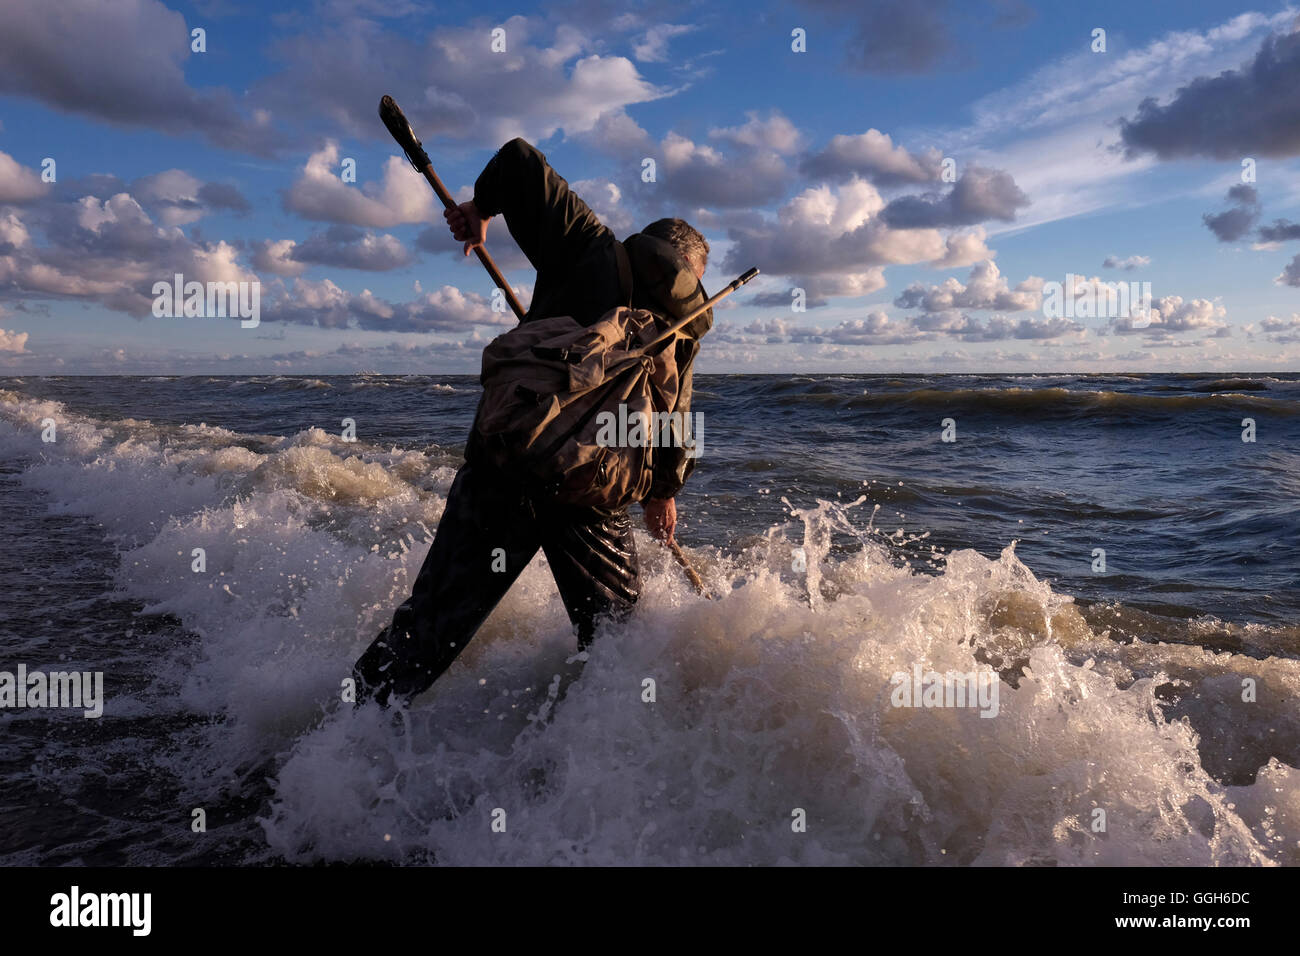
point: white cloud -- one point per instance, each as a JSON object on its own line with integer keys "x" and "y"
{"x": 653, "y": 45}
{"x": 17, "y": 182}
{"x": 325, "y": 304}
{"x": 1171, "y": 314}
{"x": 177, "y": 198}
{"x": 1055, "y": 130}
{"x": 832, "y": 241}
{"x": 986, "y": 289}
{"x": 122, "y": 63}
{"x": 13, "y": 234}
{"x": 775, "y": 133}
{"x": 318, "y": 193}
{"x": 276, "y": 256}
{"x": 872, "y": 155}
{"x": 606, "y": 201}
{"x": 1291, "y": 274}
{"x": 12, "y": 341}
{"x": 1282, "y": 330}
{"x": 109, "y": 251}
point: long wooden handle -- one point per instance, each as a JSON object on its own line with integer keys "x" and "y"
{"x": 484, "y": 256}
{"x": 695, "y": 579}
{"x": 686, "y": 320}
{"x": 398, "y": 125}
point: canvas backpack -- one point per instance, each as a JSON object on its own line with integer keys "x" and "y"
{"x": 552, "y": 388}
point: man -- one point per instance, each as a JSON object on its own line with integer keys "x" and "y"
{"x": 494, "y": 524}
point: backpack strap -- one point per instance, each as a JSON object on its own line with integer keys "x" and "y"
{"x": 624, "y": 274}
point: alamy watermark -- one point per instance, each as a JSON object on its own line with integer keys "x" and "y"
{"x": 642, "y": 430}
{"x": 24, "y": 689}
{"x": 976, "y": 689}
{"x": 1081, "y": 298}
{"x": 213, "y": 300}
{"x": 74, "y": 909}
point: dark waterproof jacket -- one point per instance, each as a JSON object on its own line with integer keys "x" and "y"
{"x": 578, "y": 274}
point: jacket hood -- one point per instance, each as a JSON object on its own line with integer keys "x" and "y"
{"x": 664, "y": 282}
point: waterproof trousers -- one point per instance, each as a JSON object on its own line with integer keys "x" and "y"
{"x": 490, "y": 530}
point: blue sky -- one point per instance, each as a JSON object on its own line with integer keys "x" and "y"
{"x": 825, "y": 168}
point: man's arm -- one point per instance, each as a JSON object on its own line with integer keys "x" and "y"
{"x": 552, "y": 225}
{"x": 674, "y": 461}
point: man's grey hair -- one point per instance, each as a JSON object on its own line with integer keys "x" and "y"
{"x": 685, "y": 238}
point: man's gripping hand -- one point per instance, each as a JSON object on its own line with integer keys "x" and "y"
{"x": 661, "y": 517}
{"x": 467, "y": 225}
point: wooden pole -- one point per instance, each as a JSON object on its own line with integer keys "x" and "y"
{"x": 397, "y": 124}
{"x": 695, "y": 580}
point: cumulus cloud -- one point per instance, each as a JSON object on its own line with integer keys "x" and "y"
{"x": 276, "y": 257}
{"x": 13, "y": 233}
{"x": 326, "y": 305}
{"x": 876, "y": 329}
{"x": 1135, "y": 355}
{"x": 347, "y": 247}
{"x": 774, "y": 132}
{"x": 617, "y": 133}
{"x": 978, "y": 195}
{"x": 963, "y": 249}
{"x": 318, "y": 193}
{"x": 18, "y": 183}
{"x": 944, "y": 308}
{"x": 880, "y": 329}
{"x": 123, "y": 63}
{"x": 872, "y": 156}
{"x": 1282, "y": 230}
{"x": 549, "y": 79}
{"x": 1291, "y": 274}
{"x": 176, "y": 198}
{"x": 995, "y": 328}
{"x": 606, "y": 200}
{"x": 173, "y": 195}
{"x": 743, "y": 167}
{"x": 13, "y": 341}
{"x": 1253, "y": 111}
{"x": 395, "y": 357}
{"x": 986, "y": 289}
{"x": 1282, "y": 331}
{"x": 108, "y": 251}
{"x": 1234, "y": 223}
{"x": 833, "y": 242}
{"x": 1127, "y": 264}
{"x": 1172, "y": 314}
{"x": 223, "y": 196}
{"x": 774, "y": 330}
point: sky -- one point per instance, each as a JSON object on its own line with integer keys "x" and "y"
{"x": 917, "y": 181}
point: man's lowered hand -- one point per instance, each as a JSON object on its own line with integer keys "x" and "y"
{"x": 661, "y": 517}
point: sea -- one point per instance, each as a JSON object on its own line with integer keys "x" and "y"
{"x": 1116, "y": 555}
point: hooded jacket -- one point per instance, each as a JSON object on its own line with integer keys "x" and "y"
{"x": 578, "y": 273}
